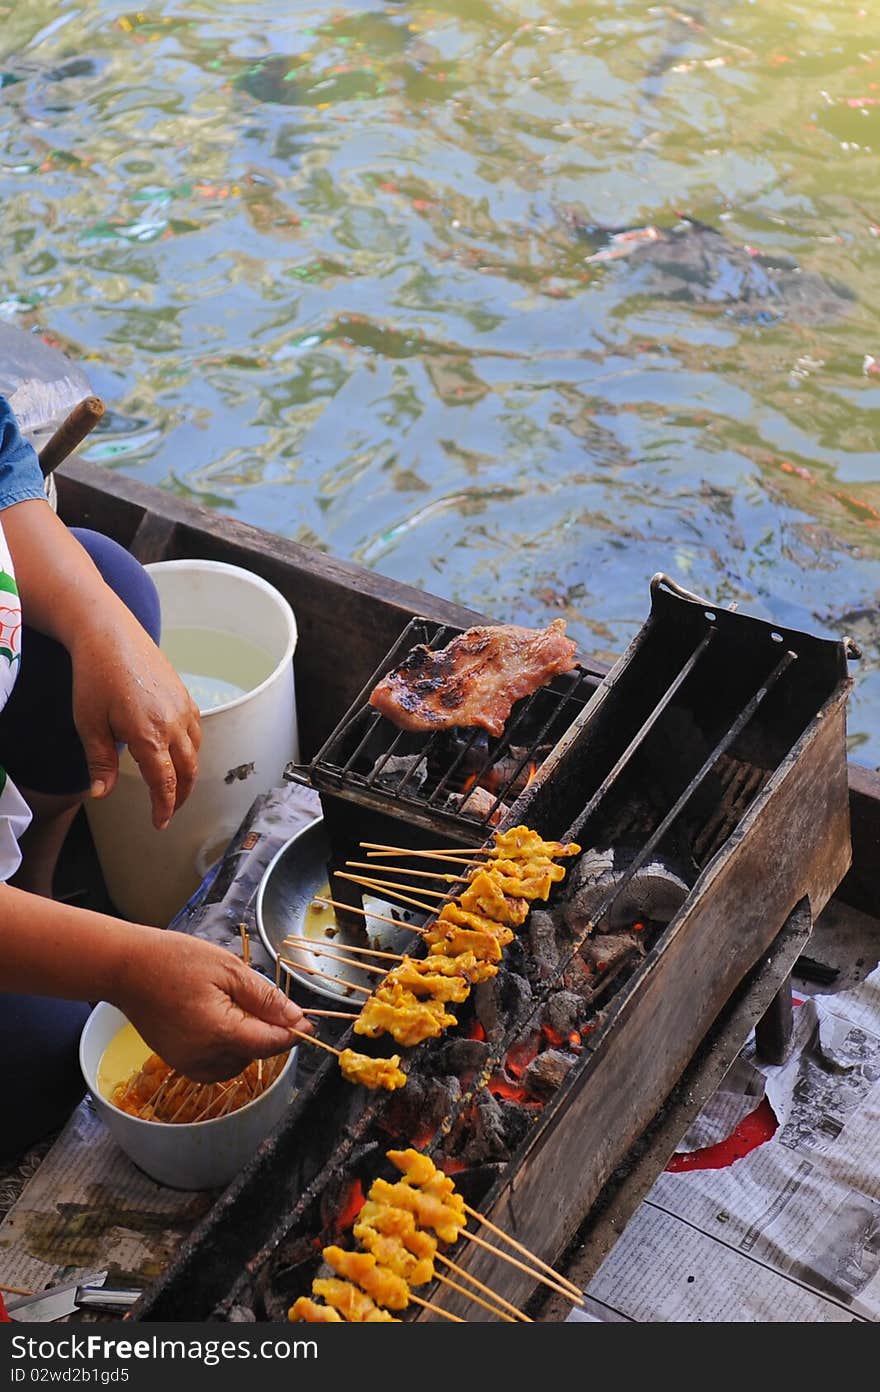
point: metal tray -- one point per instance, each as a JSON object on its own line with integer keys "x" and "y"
{"x": 285, "y": 907}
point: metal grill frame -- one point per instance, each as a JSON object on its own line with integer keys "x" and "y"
{"x": 332, "y": 768}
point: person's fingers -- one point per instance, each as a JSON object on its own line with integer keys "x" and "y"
{"x": 185, "y": 758}
{"x": 102, "y": 760}
{"x": 194, "y": 728}
{"x": 160, "y": 775}
{"x": 257, "y": 997}
{"x": 259, "y": 1040}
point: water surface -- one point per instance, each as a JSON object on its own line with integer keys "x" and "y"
{"x": 323, "y": 264}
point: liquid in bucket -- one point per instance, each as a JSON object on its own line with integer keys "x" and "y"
{"x": 215, "y": 667}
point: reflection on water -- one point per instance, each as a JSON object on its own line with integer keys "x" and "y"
{"x": 355, "y": 275}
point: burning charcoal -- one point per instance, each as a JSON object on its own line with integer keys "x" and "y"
{"x": 501, "y": 1000}
{"x": 562, "y": 1013}
{"x": 478, "y": 803}
{"x": 547, "y": 1072}
{"x": 421, "y": 1107}
{"x": 486, "y": 1138}
{"x": 396, "y": 770}
{"x": 517, "y": 1121}
{"x": 605, "y": 952}
{"x": 468, "y": 750}
{"x": 542, "y": 941}
{"x": 656, "y": 891}
{"x": 463, "y": 1058}
{"x": 579, "y": 978}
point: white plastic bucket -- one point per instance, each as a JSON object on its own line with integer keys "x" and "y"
{"x": 212, "y": 615}
{"x": 195, "y": 1155}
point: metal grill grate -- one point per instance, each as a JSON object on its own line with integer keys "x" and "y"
{"x": 370, "y": 760}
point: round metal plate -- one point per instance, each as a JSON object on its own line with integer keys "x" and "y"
{"x": 285, "y": 908}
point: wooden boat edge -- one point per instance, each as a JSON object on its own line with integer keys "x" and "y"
{"x": 369, "y": 611}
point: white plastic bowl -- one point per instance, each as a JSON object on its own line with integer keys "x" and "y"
{"x": 185, "y": 1155}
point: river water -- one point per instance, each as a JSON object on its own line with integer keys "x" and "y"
{"x": 331, "y": 268}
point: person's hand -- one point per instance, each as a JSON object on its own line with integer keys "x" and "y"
{"x": 126, "y": 692}
{"x": 202, "y": 1010}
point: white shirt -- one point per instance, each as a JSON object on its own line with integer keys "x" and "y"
{"x": 15, "y": 814}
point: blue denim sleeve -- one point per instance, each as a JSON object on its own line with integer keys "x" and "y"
{"x": 20, "y": 474}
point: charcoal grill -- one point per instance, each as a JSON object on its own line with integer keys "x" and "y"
{"x": 370, "y": 774}
{"x": 715, "y": 745}
{"x": 371, "y": 764}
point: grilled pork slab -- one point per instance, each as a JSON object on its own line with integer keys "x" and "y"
{"x": 475, "y": 679}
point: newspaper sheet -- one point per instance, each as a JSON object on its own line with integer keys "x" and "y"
{"x": 790, "y": 1232}
{"x": 87, "y": 1208}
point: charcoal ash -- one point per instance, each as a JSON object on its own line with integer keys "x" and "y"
{"x": 400, "y": 769}
{"x": 505, "y": 997}
{"x": 483, "y": 1135}
{"x": 478, "y": 802}
{"x": 604, "y": 952}
{"x": 543, "y": 929}
{"x": 563, "y": 1013}
{"x": 578, "y": 978}
{"x": 656, "y": 891}
{"x": 516, "y": 958}
{"x": 463, "y": 1058}
{"x": 474, "y": 1182}
{"x": 340, "y": 1191}
{"x": 489, "y": 1131}
{"x": 546, "y": 1073}
{"x": 291, "y": 1275}
{"x": 422, "y": 1106}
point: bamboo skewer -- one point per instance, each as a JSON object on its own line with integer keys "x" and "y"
{"x": 466, "y": 1276}
{"x": 367, "y": 913}
{"x": 333, "y": 1014}
{"x": 378, "y": 858}
{"x": 245, "y": 944}
{"x": 554, "y": 1285}
{"x": 15, "y": 1290}
{"x": 390, "y": 887}
{"x": 435, "y": 1309}
{"x": 325, "y": 976}
{"x": 186, "y": 1096}
{"x": 320, "y": 950}
{"x": 210, "y": 1102}
{"x": 312, "y": 1039}
{"x": 367, "y": 951}
{"x": 519, "y": 1247}
{"x": 400, "y": 870}
{"x": 478, "y": 1300}
{"x": 439, "y": 850}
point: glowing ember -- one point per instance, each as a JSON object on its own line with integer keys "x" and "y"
{"x": 352, "y": 1206}
{"x": 451, "y": 1165}
{"x": 521, "y": 1053}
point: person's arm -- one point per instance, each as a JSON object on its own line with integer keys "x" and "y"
{"x": 124, "y": 689}
{"x": 197, "y": 1005}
